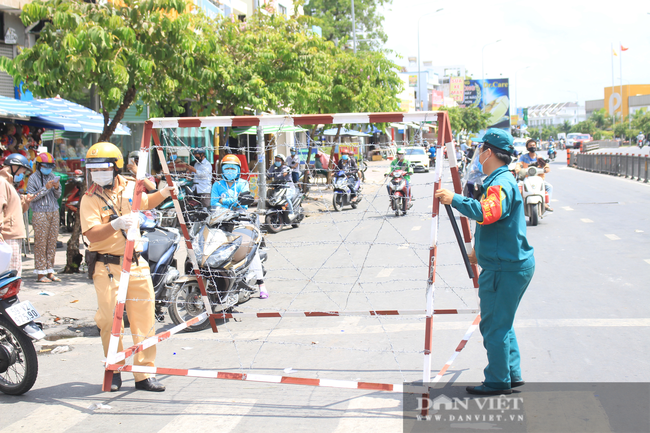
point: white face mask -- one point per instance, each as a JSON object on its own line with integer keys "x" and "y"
{"x": 102, "y": 178}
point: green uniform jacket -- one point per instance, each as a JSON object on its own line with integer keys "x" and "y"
{"x": 396, "y": 164}
{"x": 500, "y": 238}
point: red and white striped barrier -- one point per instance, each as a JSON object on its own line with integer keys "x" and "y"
{"x": 459, "y": 348}
{"x": 280, "y": 314}
{"x": 267, "y": 378}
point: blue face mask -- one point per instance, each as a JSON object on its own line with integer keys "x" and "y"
{"x": 277, "y": 163}
{"x": 173, "y": 157}
{"x": 344, "y": 157}
{"x": 230, "y": 173}
{"x": 46, "y": 171}
{"x": 19, "y": 177}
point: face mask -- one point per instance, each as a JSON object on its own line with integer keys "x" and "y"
{"x": 173, "y": 157}
{"x": 230, "y": 173}
{"x": 293, "y": 153}
{"x": 532, "y": 149}
{"x": 46, "y": 171}
{"x": 479, "y": 164}
{"x": 19, "y": 177}
{"x": 277, "y": 163}
{"x": 102, "y": 178}
{"x": 344, "y": 157}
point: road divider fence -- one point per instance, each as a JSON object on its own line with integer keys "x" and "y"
{"x": 630, "y": 166}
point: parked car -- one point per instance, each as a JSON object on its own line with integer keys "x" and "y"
{"x": 418, "y": 158}
{"x": 575, "y": 139}
{"x": 520, "y": 145}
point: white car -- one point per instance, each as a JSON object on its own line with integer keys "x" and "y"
{"x": 418, "y": 158}
{"x": 520, "y": 145}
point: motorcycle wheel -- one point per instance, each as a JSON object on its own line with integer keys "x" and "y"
{"x": 337, "y": 201}
{"x": 18, "y": 361}
{"x": 404, "y": 205}
{"x": 273, "y": 222}
{"x": 185, "y": 303}
{"x": 534, "y": 217}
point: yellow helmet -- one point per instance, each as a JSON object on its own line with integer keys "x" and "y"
{"x": 103, "y": 153}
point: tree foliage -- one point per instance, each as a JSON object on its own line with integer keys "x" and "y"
{"x": 466, "y": 120}
{"x": 335, "y": 19}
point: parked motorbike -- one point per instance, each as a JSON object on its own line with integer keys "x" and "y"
{"x": 534, "y": 194}
{"x": 277, "y": 213}
{"x": 18, "y": 361}
{"x": 399, "y": 197}
{"x": 347, "y": 190}
{"x": 70, "y": 202}
{"x": 225, "y": 245}
{"x": 191, "y": 207}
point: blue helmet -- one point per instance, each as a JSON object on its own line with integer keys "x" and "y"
{"x": 19, "y": 160}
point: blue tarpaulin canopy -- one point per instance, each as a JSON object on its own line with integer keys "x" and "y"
{"x": 55, "y": 113}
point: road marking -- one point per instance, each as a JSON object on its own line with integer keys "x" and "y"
{"x": 52, "y": 418}
{"x": 567, "y": 208}
{"x": 403, "y": 247}
{"x": 647, "y": 261}
{"x": 554, "y": 200}
{"x": 586, "y": 220}
{"x": 416, "y": 228}
{"x": 385, "y": 273}
{"x": 361, "y": 409}
{"x": 218, "y": 415}
{"x": 613, "y": 237}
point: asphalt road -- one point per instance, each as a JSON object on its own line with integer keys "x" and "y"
{"x": 584, "y": 318}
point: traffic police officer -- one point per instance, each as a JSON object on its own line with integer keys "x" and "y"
{"x": 506, "y": 259}
{"x": 105, "y": 218}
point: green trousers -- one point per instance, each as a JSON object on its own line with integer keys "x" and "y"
{"x": 500, "y": 293}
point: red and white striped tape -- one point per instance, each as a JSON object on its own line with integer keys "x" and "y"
{"x": 279, "y": 314}
{"x": 267, "y": 378}
{"x": 286, "y": 120}
{"x": 459, "y": 348}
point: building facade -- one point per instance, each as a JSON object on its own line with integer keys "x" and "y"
{"x": 555, "y": 114}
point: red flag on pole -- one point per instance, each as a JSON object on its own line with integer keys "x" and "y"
{"x": 623, "y": 48}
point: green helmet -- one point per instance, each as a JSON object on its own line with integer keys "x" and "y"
{"x": 400, "y": 151}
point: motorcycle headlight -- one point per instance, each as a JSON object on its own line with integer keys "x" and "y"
{"x": 223, "y": 254}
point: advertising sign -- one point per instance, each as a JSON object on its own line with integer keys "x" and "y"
{"x": 437, "y": 98}
{"x": 496, "y": 97}
{"x": 457, "y": 89}
{"x": 413, "y": 80}
{"x": 471, "y": 94}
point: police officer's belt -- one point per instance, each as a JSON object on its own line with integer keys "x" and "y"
{"x": 109, "y": 259}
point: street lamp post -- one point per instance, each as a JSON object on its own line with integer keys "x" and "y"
{"x": 517, "y": 91}
{"x": 483, "y": 72}
{"x": 419, "y": 90}
{"x": 354, "y": 31}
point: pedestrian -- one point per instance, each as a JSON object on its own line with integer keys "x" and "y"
{"x": 106, "y": 217}
{"x": 45, "y": 189}
{"x": 505, "y": 256}
{"x": 293, "y": 162}
{"x": 13, "y": 206}
{"x": 202, "y": 176}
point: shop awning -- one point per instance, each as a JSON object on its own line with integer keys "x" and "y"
{"x": 74, "y": 117}
{"x": 345, "y": 133}
{"x": 252, "y": 130}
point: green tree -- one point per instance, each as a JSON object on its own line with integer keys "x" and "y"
{"x": 467, "y": 119}
{"x": 335, "y": 19}
{"x": 145, "y": 49}
{"x": 584, "y": 127}
{"x": 601, "y": 119}
{"x": 566, "y": 127}
{"x": 640, "y": 121}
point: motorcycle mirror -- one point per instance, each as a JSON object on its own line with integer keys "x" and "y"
{"x": 246, "y": 199}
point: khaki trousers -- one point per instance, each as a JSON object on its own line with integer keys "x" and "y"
{"x": 140, "y": 308}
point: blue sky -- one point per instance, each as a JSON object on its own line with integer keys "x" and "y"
{"x": 566, "y": 44}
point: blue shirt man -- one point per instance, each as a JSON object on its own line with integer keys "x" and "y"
{"x": 502, "y": 250}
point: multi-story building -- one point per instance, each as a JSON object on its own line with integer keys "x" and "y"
{"x": 555, "y": 114}
{"x": 14, "y": 35}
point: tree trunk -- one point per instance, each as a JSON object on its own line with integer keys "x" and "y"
{"x": 109, "y": 128}
{"x": 72, "y": 253}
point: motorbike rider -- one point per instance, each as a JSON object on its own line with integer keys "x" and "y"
{"x": 202, "y": 176}
{"x": 225, "y": 193}
{"x": 400, "y": 163}
{"x": 640, "y": 139}
{"x": 106, "y": 217}
{"x": 293, "y": 162}
{"x": 432, "y": 154}
{"x": 529, "y": 159}
{"x": 348, "y": 164}
{"x": 281, "y": 172}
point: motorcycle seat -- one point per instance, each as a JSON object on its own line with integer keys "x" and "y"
{"x": 247, "y": 244}
{"x": 159, "y": 243}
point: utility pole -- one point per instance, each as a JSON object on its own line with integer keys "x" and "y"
{"x": 354, "y": 31}
{"x": 261, "y": 164}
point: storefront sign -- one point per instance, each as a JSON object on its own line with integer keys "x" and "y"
{"x": 11, "y": 37}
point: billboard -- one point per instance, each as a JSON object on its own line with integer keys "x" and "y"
{"x": 437, "y": 98}
{"x": 457, "y": 89}
{"x": 413, "y": 80}
{"x": 494, "y": 99}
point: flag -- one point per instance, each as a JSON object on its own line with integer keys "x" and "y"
{"x": 614, "y": 52}
{"x": 623, "y": 48}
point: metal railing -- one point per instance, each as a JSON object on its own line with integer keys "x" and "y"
{"x": 634, "y": 167}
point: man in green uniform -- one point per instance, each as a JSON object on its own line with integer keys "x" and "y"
{"x": 400, "y": 163}
{"x": 506, "y": 259}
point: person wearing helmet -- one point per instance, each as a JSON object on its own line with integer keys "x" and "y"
{"x": 400, "y": 163}
{"x": 149, "y": 182}
{"x": 293, "y": 162}
{"x": 348, "y": 164}
{"x": 225, "y": 193}
{"x": 106, "y": 217}
{"x": 505, "y": 256}
{"x": 202, "y": 176}
{"x": 45, "y": 189}
{"x": 281, "y": 173}
{"x": 12, "y": 227}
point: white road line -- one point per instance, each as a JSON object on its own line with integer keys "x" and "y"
{"x": 613, "y": 237}
{"x": 554, "y": 200}
{"x": 385, "y": 273}
{"x": 216, "y": 415}
{"x": 50, "y": 418}
{"x": 647, "y": 261}
{"x": 416, "y": 228}
{"x": 403, "y": 247}
{"x": 386, "y": 415}
{"x": 586, "y": 220}
{"x": 567, "y": 208}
